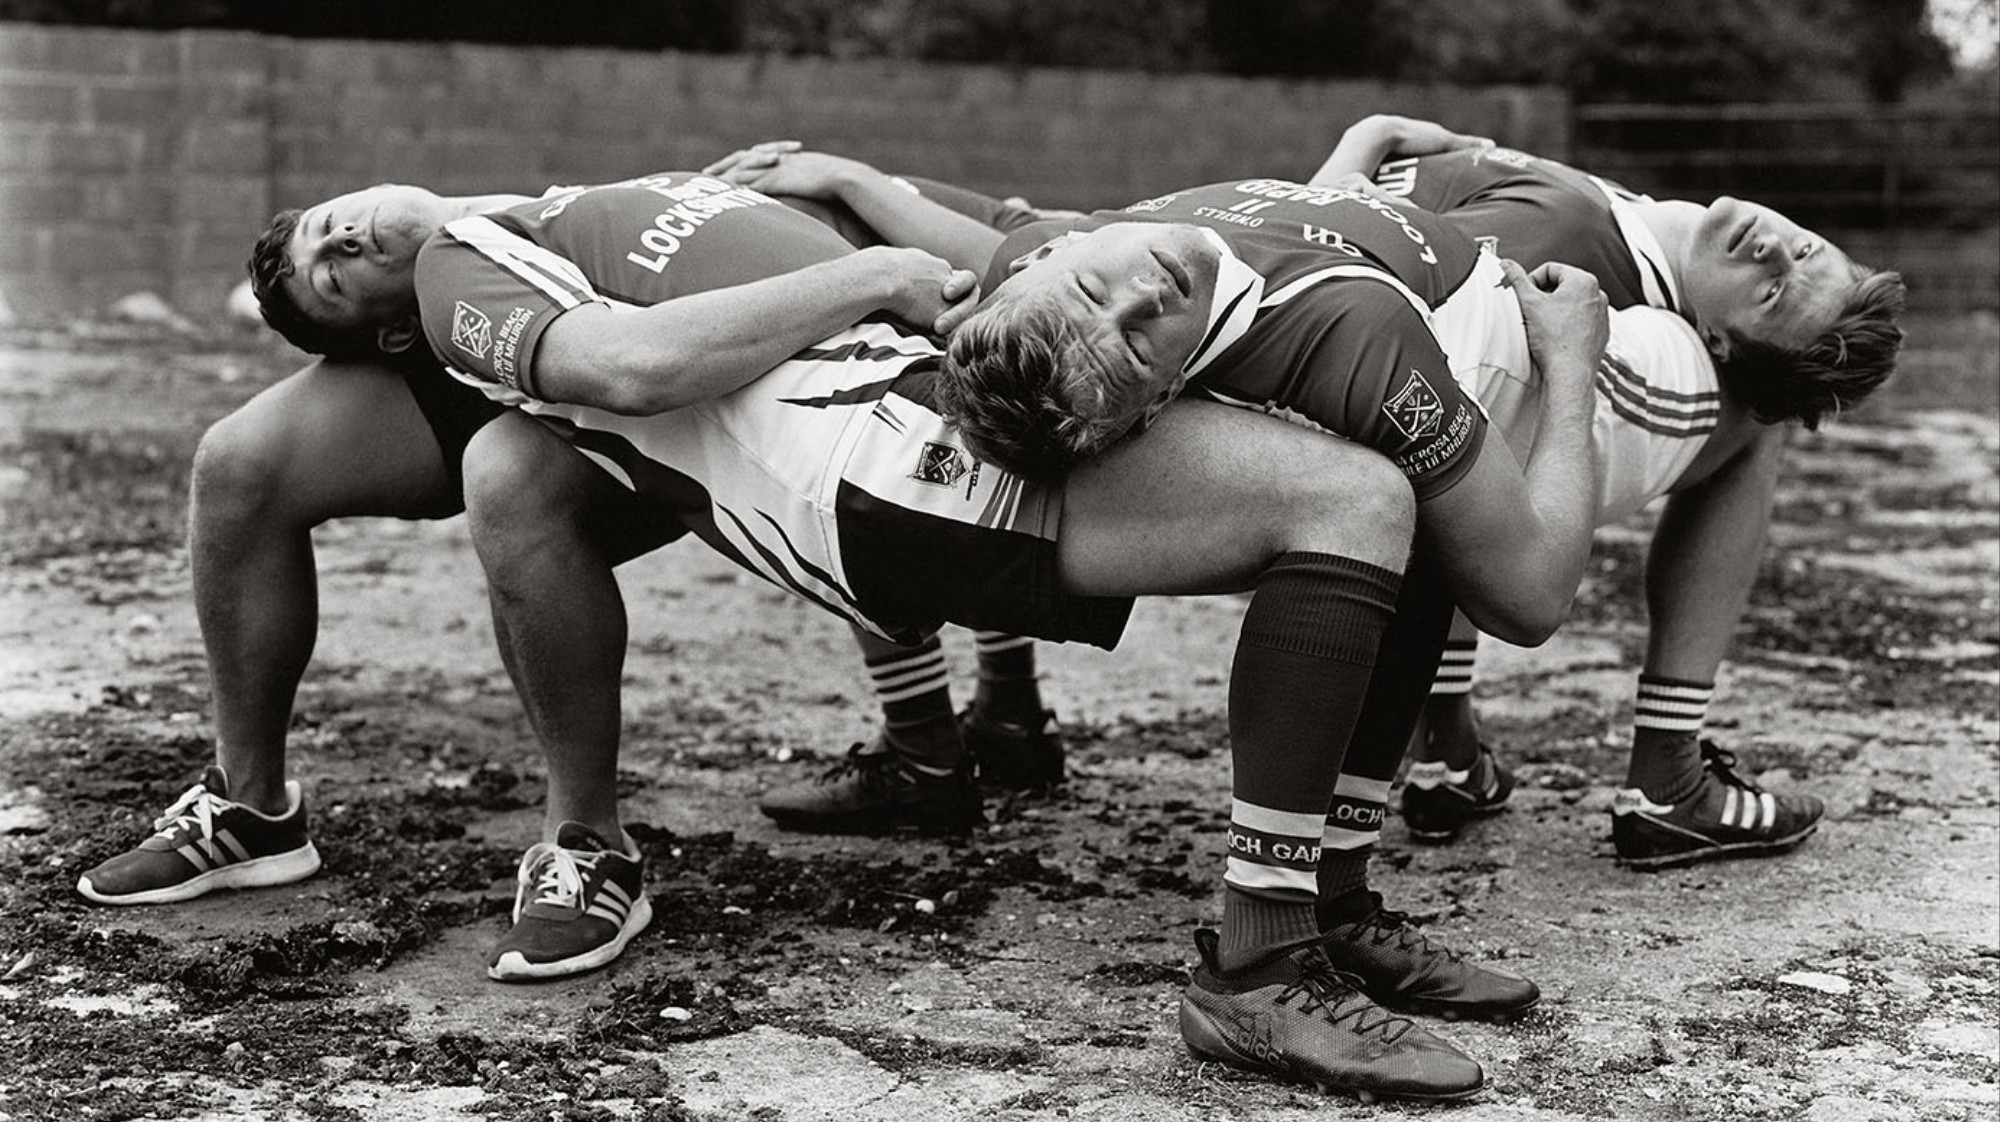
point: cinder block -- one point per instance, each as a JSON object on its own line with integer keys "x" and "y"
{"x": 23, "y": 250}
{"x": 147, "y": 103}
{"x": 37, "y": 198}
{"x": 37, "y": 99}
{"x": 221, "y": 200}
{"x": 82, "y": 250}
{"x": 207, "y": 56}
{"x": 219, "y": 147}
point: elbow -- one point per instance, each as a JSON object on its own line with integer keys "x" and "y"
{"x": 1525, "y": 622}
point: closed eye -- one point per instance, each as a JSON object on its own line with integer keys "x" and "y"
{"x": 1087, "y": 293}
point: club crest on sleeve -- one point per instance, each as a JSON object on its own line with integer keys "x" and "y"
{"x": 940, "y": 465}
{"x": 471, "y": 331}
{"x": 1415, "y": 409}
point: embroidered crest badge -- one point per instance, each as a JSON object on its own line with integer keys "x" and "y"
{"x": 1415, "y": 409}
{"x": 471, "y": 331}
{"x": 940, "y": 465}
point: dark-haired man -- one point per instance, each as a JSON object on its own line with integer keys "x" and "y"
{"x": 1799, "y": 331}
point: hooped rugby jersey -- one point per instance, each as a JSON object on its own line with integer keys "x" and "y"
{"x": 758, "y": 473}
{"x": 1330, "y": 325}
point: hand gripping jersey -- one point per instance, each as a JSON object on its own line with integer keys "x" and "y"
{"x": 1658, "y": 396}
{"x": 830, "y": 476}
{"x": 1343, "y": 313}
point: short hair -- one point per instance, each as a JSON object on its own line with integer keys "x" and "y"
{"x": 1022, "y": 387}
{"x": 270, "y": 263}
{"x": 1839, "y": 369}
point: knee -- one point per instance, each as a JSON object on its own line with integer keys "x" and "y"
{"x": 239, "y": 472}
{"x": 521, "y": 481}
{"x": 1360, "y": 506}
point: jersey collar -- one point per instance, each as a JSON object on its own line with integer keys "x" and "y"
{"x": 1238, "y": 290}
{"x": 1656, "y": 277}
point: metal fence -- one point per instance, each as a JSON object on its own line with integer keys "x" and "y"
{"x": 1916, "y": 189}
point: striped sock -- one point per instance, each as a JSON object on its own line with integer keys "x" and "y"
{"x": 913, "y": 687}
{"x": 1301, "y": 670}
{"x": 1008, "y": 688}
{"x": 1666, "y": 737}
{"x": 1451, "y": 736}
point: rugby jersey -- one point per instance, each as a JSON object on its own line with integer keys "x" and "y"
{"x": 1656, "y": 376}
{"x": 1328, "y": 322}
{"x": 755, "y": 472}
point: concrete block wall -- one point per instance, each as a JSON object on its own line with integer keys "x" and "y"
{"x": 148, "y": 161}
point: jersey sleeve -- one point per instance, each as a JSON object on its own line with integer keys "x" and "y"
{"x": 1436, "y": 183}
{"x": 486, "y": 294}
{"x": 1366, "y": 367}
{"x": 997, "y": 213}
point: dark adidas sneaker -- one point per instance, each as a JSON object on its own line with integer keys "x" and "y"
{"x": 1010, "y": 756}
{"x": 577, "y": 902}
{"x": 1438, "y": 802}
{"x": 1398, "y": 966}
{"x": 1726, "y": 816}
{"x": 1291, "y": 1014}
{"x": 205, "y": 842}
{"x": 873, "y": 792}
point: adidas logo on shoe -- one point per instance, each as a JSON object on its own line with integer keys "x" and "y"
{"x": 205, "y": 842}
{"x": 1724, "y": 816}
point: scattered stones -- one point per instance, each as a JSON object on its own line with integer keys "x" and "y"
{"x": 1815, "y": 980}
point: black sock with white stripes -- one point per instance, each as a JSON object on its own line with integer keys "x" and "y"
{"x": 913, "y": 687}
{"x": 1302, "y": 666}
{"x": 1666, "y": 737}
{"x": 1451, "y": 735}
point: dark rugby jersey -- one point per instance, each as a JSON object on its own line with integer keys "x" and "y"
{"x": 1338, "y": 339}
{"x": 1536, "y": 211}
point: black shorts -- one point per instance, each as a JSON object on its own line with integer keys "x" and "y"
{"x": 618, "y": 522}
{"x": 917, "y": 570}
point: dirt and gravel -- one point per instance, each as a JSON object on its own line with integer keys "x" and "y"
{"x": 1029, "y": 973}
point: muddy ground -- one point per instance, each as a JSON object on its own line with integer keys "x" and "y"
{"x": 1029, "y": 973}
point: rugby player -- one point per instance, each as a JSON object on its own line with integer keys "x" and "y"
{"x": 1799, "y": 331}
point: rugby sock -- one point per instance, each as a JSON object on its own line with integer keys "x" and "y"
{"x": 1451, "y": 736}
{"x": 1666, "y": 737}
{"x": 1008, "y": 690}
{"x": 1406, "y": 665}
{"x": 1301, "y": 670}
{"x": 914, "y": 689}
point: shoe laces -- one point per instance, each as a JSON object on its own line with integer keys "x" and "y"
{"x": 1336, "y": 995}
{"x": 194, "y": 811}
{"x": 1387, "y": 924}
{"x": 1721, "y": 762}
{"x": 555, "y": 874}
{"x": 873, "y": 770}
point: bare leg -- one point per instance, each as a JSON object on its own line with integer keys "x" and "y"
{"x": 330, "y": 441}
{"x": 1699, "y": 571}
{"x": 1205, "y": 500}
{"x": 556, "y": 606}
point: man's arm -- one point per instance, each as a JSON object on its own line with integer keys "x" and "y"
{"x": 1369, "y": 141}
{"x": 1513, "y": 539}
{"x": 649, "y": 360}
{"x": 898, "y": 215}
{"x": 1703, "y": 561}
